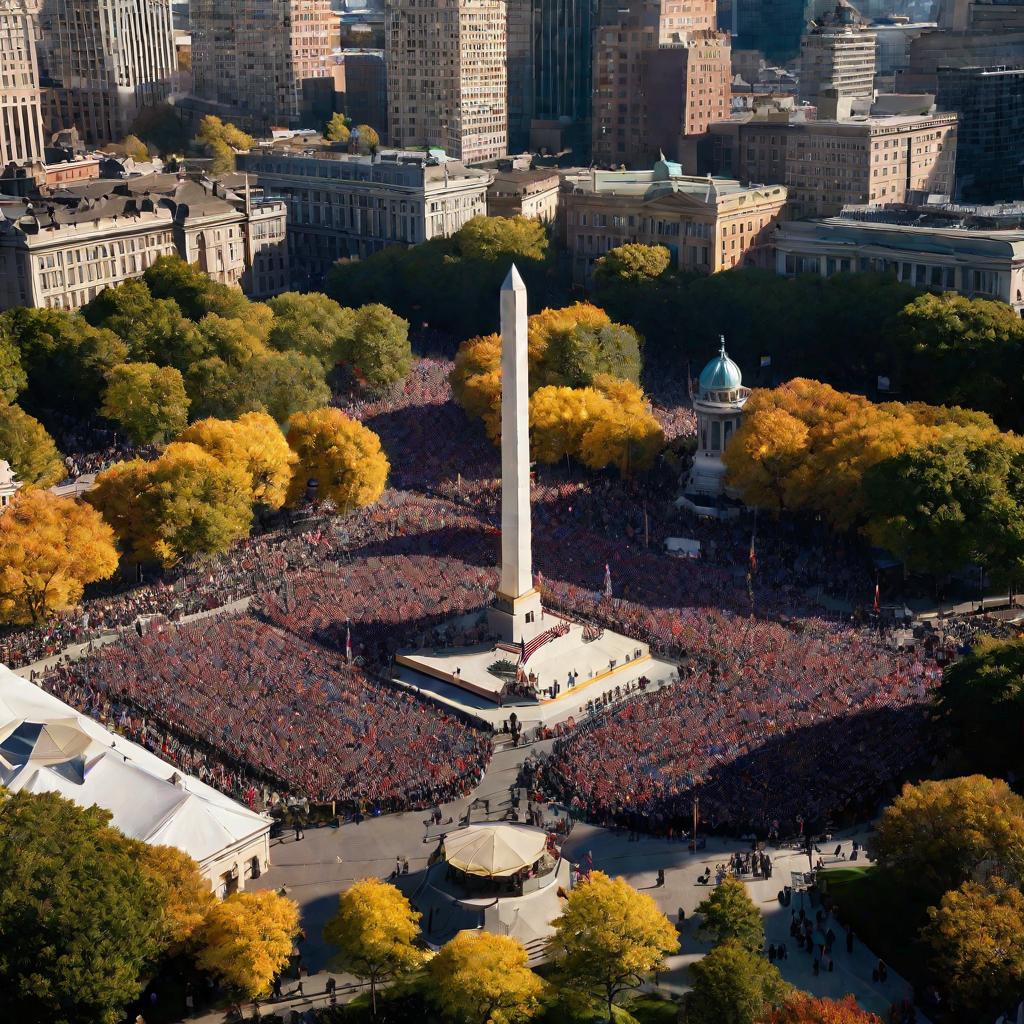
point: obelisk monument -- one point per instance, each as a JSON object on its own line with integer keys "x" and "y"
{"x": 515, "y": 614}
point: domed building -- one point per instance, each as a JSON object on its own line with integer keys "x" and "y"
{"x": 719, "y": 408}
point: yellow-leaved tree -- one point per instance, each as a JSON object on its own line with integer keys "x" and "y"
{"x": 50, "y": 548}
{"x": 627, "y": 436}
{"x": 560, "y": 417}
{"x": 764, "y": 456}
{"x": 255, "y": 443}
{"x": 247, "y": 939}
{"x": 185, "y": 503}
{"x": 476, "y": 381}
{"x": 480, "y": 978}
{"x": 374, "y": 931}
{"x": 343, "y": 457}
{"x": 186, "y": 896}
{"x": 609, "y": 938}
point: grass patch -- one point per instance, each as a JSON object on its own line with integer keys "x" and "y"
{"x": 651, "y": 1009}
{"x": 886, "y": 917}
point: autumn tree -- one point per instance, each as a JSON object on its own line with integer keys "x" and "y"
{"x": 253, "y": 442}
{"x": 764, "y": 456}
{"x": 732, "y": 985}
{"x": 633, "y": 262}
{"x": 221, "y": 141}
{"x": 13, "y": 378}
{"x": 609, "y": 938}
{"x": 490, "y": 238}
{"x": 149, "y": 401}
{"x": 577, "y": 356}
{"x": 185, "y": 898}
{"x": 246, "y": 939}
{"x": 374, "y": 930}
{"x": 476, "y": 381}
{"x": 343, "y": 457}
{"x": 981, "y": 704}
{"x": 730, "y": 913}
{"x": 50, "y": 548}
{"x": 559, "y": 419}
{"x": 28, "y": 448}
{"x": 80, "y": 917}
{"x": 628, "y": 437}
{"x": 336, "y": 129}
{"x": 802, "y": 1008}
{"x": 480, "y": 978}
{"x": 369, "y": 140}
{"x": 132, "y": 146}
{"x": 379, "y": 349}
{"x": 312, "y": 324}
{"x": 976, "y": 936}
{"x": 185, "y": 503}
{"x": 936, "y": 835}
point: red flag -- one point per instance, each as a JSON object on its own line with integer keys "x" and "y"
{"x": 878, "y": 606}
{"x": 753, "y": 555}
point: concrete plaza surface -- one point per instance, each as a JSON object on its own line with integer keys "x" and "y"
{"x": 327, "y": 860}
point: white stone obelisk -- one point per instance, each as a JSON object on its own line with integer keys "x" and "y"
{"x": 515, "y": 614}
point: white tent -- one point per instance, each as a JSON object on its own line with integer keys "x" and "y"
{"x": 48, "y": 747}
{"x": 494, "y": 851}
{"x": 684, "y": 547}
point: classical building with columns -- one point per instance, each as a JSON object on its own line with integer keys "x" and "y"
{"x": 719, "y": 407}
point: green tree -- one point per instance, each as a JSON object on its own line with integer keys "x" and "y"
{"x": 162, "y": 128}
{"x": 171, "y": 277}
{"x": 312, "y": 324}
{"x": 981, "y": 705}
{"x": 936, "y": 835}
{"x": 491, "y": 238}
{"x": 633, "y": 262}
{"x": 577, "y": 356}
{"x": 221, "y": 141}
{"x": 380, "y": 351}
{"x": 336, "y": 129}
{"x": 184, "y": 503}
{"x": 730, "y": 914}
{"x": 13, "y": 378}
{"x": 149, "y": 401}
{"x": 731, "y": 985}
{"x": 374, "y": 930}
{"x": 976, "y": 935}
{"x": 369, "y": 140}
{"x": 285, "y": 383}
{"x": 80, "y": 918}
{"x": 66, "y": 359}
{"x": 480, "y": 978}
{"x": 609, "y": 938}
{"x": 31, "y": 452}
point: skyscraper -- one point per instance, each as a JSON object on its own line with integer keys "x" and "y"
{"x": 519, "y": 51}
{"x": 251, "y": 58}
{"x": 447, "y": 82}
{"x": 103, "y": 61}
{"x": 837, "y": 54}
{"x": 21, "y": 126}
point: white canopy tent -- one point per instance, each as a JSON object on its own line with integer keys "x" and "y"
{"x": 495, "y": 851}
{"x": 48, "y": 747}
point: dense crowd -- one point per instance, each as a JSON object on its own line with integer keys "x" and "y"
{"x": 286, "y": 711}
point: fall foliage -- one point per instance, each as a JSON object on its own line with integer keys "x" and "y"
{"x": 341, "y": 455}
{"x": 185, "y": 896}
{"x": 247, "y": 939}
{"x": 50, "y": 548}
{"x": 807, "y": 1009}
{"x": 31, "y": 452}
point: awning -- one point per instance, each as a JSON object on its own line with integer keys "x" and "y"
{"x": 494, "y": 851}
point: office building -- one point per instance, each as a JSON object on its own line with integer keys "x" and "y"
{"x": 361, "y": 87}
{"x": 990, "y": 147}
{"x": 893, "y": 39}
{"x": 654, "y": 84}
{"x": 837, "y": 57}
{"x": 103, "y": 61}
{"x": 526, "y": 193}
{"x": 21, "y": 124}
{"x": 707, "y": 224}
{"x": 972, "y": 251}
{"x": 773, "y": 27}
{"x": 341, "y": 205}
{"x": 519, "y": 50}
{"x": 447, "y": 82}
{"x": 262, "y": 63}
{"x": 829, "y": 164}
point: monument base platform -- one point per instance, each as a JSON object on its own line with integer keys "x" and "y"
{"x": 600, "y": 664}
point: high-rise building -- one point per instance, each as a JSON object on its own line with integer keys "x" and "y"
{"x": 990, "y": 150}
{"x": 103, "y": 62}
{"x": 447, "y": 81}
{"x": 773, "y": 27}
{"x": 21, "y": 126}
{"x": 254, "y": 61}
{"x": 837, "y": 56}
{"x": 361, "y": 87}
{"x": 655, "y": 82}
{"x": 519, "y": 44}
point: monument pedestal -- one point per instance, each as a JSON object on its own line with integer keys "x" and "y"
{"x": 515, "y": 618}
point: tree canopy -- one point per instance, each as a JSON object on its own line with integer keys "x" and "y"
{"x": 379, "y": 349}
{"x": 633, "y": 262}
{"x": 221, "y": 141}
{"x": 491, "y": 238}
{"x": 732, "y": 985}
{"x": 801, "y": 1008}
{"x": 730, "y": 913}
{"x": 609, "y": 938}
{"x": 31, "y": 452}
{"x": 149, "y": 401}
{"x": 50, "y": 548}
{"x": 481, "y": 978}
{"x": 336, "y": 129}
{"x": 312, "y": 324}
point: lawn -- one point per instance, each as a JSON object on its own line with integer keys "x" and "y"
{"x": 886, "y": 917}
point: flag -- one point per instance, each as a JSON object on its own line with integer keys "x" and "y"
{"x": 878, "y": 606}
{"x": 348, "y": 642}
{"x": 522, "y": 650}
{"x": 607, "y": 580}
{"x": 753, "y": 555}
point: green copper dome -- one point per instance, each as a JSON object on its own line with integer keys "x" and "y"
{"x": 721, "y": 374}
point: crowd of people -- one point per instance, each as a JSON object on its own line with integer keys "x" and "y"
{"x": 285, "y": 711}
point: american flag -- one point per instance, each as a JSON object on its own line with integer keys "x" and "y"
{"x": 348, "y": 642}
